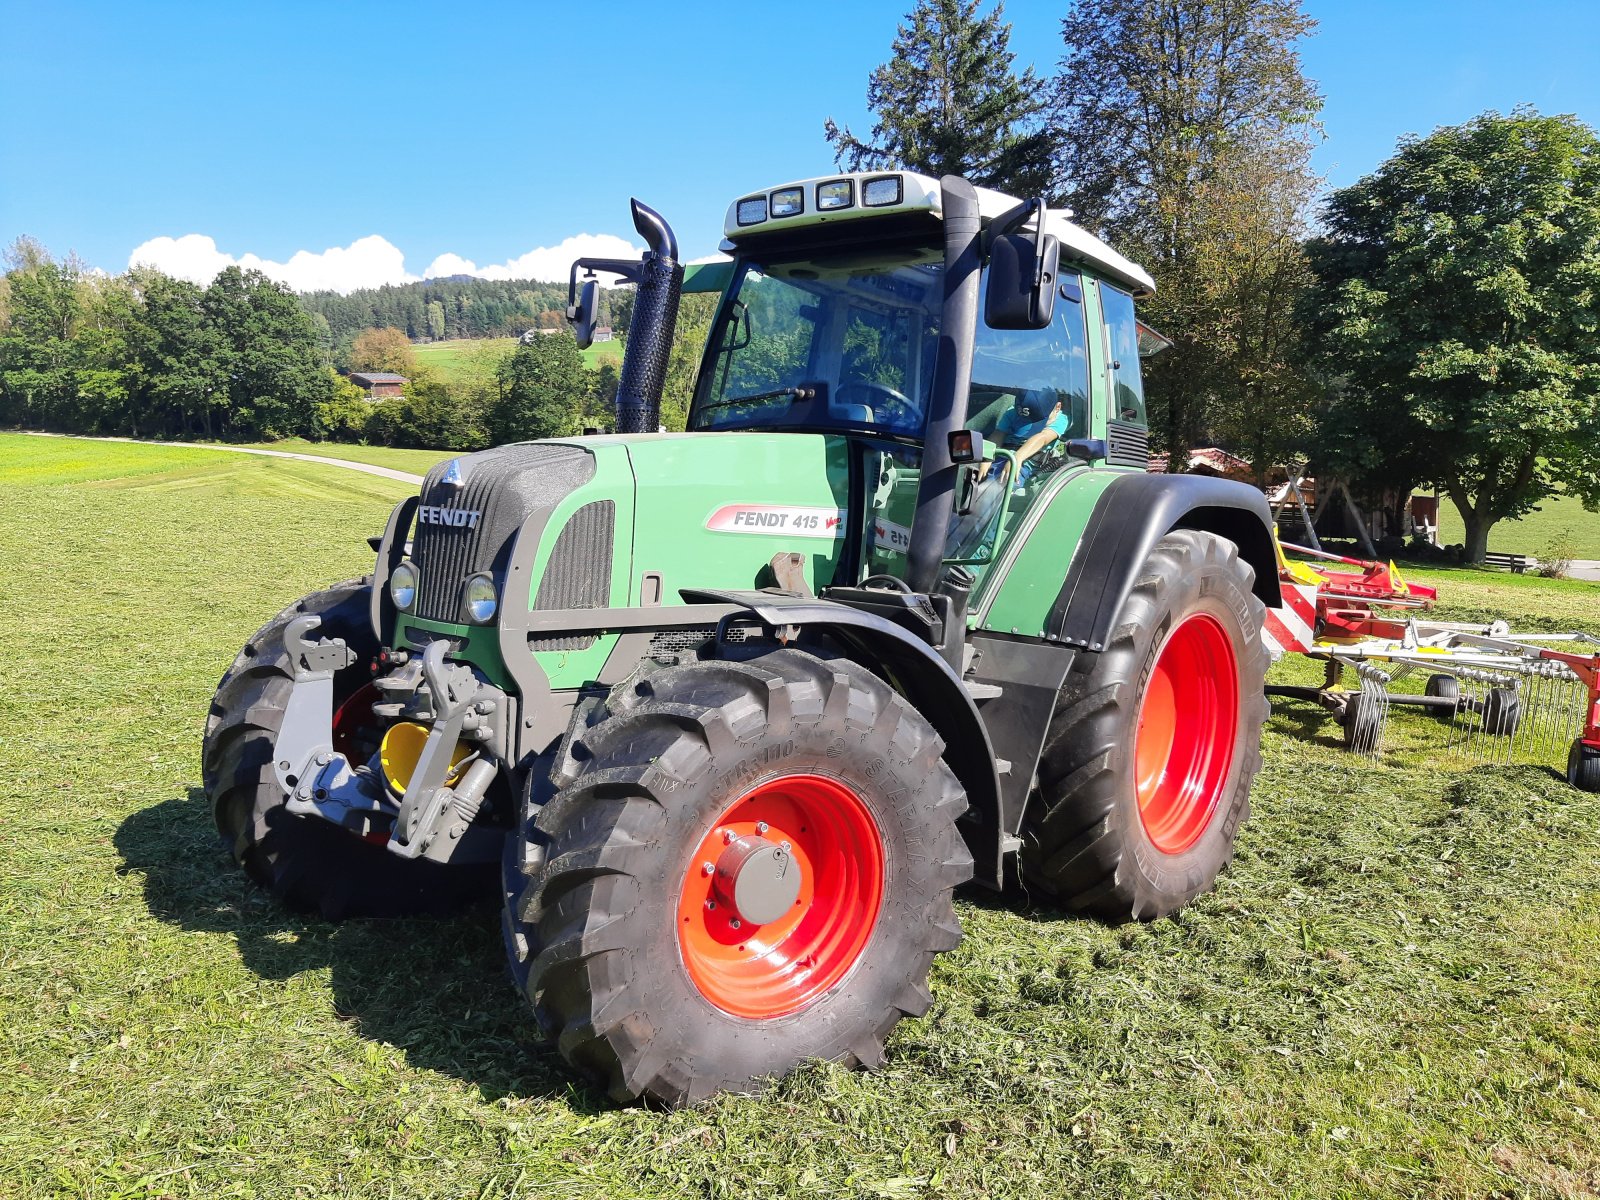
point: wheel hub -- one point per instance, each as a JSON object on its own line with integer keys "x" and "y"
{"x": 757, "y": 879}
{"x": 780, "y": 897}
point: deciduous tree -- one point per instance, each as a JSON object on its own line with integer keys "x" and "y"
{"x": 542, "y": 386}
{"x": 387, "y": 349}
{"x": 1184, "y": 133}
{"x": 1459, "y": 303}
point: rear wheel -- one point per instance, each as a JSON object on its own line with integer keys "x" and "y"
{"x": 1146, "y": 770}
{"x": 743, "y": 866}
{"x": 308, "y": 863}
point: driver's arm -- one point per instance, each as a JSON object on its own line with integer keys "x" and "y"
{"x": 1041, "y": 439}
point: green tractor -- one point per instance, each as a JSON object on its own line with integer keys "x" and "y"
{"x": 733, "y": 712}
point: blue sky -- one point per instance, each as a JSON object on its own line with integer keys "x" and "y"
{"x": 488, "y": 131}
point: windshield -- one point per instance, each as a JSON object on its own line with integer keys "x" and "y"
{"x": 843, "y": 340}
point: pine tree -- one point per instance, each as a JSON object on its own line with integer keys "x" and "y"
{"x": 949, "y": 102}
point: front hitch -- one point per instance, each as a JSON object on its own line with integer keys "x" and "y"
{"x": 433, "y": 821}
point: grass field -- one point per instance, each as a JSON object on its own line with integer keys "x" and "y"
{"x": 415, "y": 461}
{"x": 1392, "y": 993}
{"x": 461, "y": 358}
{"x": 1559, "y": 517}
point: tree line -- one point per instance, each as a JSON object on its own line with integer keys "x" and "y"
{"x": 143, "y": 354}
{"x": 1435, "y": 324}
{"x": 439, "y": 309}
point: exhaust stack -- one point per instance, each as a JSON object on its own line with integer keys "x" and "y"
{"x": 655, "y": 320}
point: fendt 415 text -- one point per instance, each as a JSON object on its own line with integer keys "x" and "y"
{"x": 734, "y": 711}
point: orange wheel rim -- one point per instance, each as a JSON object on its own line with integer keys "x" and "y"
{"x": 771, "y": 967}
{"x": 1188, "y": 723}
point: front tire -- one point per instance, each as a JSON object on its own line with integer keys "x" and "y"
{"x": 1146, "y": 770}
{"x": 744, "y": 866}
{"x": 307, "y": 863}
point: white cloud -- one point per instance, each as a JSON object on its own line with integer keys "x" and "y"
{"x": 367, "y": 262}
{"x": 550, "y": 263}
{"x": 371, "y": 261}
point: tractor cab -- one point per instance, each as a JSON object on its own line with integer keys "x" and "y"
{"x": 833, "y": 309}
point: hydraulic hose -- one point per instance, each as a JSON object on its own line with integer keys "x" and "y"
{"x": 655, "y": 320}
{"x": 952, "y": 373}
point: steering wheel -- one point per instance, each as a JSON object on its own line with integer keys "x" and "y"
{"x": 887, "y": 397}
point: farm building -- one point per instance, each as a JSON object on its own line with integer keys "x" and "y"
{"x": 378, "y": 385}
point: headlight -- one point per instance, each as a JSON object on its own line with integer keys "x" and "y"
{"x": 403, "y": 585}
{"x": 787, "y": 202}
{"x": 752, "y": 211}
{"x": 882, "y": 191}
{"x": 480, "y": 599}
{"x": 839, "y": 193}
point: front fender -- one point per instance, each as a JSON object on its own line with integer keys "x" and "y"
{"x": 919, "y": 673}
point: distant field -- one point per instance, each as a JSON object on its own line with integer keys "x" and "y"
{"x": 1534, "y": 532}
{"x": 460, "y": 357}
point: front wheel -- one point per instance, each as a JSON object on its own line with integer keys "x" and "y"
{"x": 1145, "y": 774}
{"x": 744, "y": 866}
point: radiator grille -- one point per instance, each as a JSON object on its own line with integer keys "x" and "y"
{"x": 578, "y": 574}
{"x": 1128, "y": 445}
{"x": 504, "y": 486}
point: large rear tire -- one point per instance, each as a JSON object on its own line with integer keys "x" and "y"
{"x": 1146, "y": 770}
{"x": 744, "y": 866}
{"x": 309, "y": 864}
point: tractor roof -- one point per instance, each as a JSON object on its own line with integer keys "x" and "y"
{"x": 826, "y": 199}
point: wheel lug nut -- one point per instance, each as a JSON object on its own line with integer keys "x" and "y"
{"x": 708, "y": 868}
{"x": 735, "y": 923}
{"x": 786, "y": 847}
{"x": 727, "y": 837}
{"x": 762, "y": 826}
{"x": 711, "y": 905}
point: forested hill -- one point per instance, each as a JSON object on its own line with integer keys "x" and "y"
{"x": 457, "y": 307}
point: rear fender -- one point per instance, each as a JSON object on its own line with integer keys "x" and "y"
{"x": 1130, "y": 517}
{"x": 919, "y": 673}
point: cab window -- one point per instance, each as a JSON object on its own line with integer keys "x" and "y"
{"x": 1023, "y": 376}
{"x": 1122, "y": 344}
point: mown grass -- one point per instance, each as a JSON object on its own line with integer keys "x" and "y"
{"x": 401, "y": 459}
{"x": 1560, "y": 518}
{"x": 1392, "y": 992}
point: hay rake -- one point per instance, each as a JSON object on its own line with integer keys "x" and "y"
{"x": 1500, "y": 695}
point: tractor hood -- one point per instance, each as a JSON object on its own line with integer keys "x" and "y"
{"x": 623, "y": 521}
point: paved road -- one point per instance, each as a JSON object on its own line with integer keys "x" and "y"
{"x": 1585, "y": 568}
{"x": 364, "y": 468}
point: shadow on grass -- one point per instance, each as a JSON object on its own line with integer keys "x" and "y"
{"x": 434, "y": 987}
{"x": 1306, "y": 721}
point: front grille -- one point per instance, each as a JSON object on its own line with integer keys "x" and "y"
{"x": 578, "y": 574}
{"x": 1128, "y": 445}
{"x": 504, "y": 486}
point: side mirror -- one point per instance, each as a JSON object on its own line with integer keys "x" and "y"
{"x": 1022, "y": 281}
{"x": 584, "y": 312}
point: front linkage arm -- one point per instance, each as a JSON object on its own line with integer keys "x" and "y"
{"x": 433, "y": 821}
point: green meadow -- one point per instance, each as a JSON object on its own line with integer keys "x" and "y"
{"x": 1392, "y": 992}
